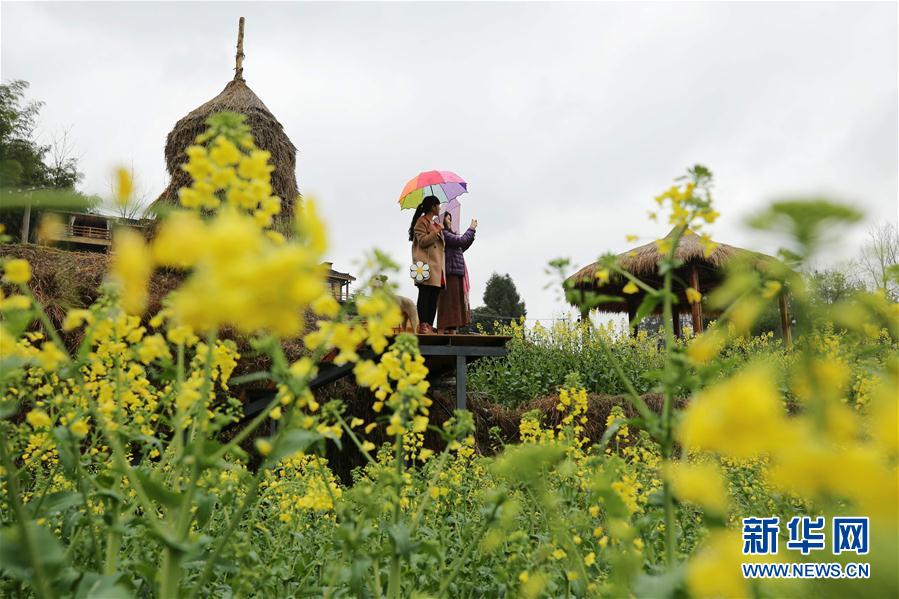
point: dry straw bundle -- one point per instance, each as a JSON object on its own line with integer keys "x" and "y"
{"x": 268, "y": 134}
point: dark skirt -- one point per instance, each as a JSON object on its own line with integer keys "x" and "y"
{"x": 452, "y": 307}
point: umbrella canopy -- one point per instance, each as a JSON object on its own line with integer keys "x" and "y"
{"x": 444, "y": 185}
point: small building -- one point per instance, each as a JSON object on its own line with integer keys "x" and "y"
{"x": 86, "y": 232}
{"x": 339, "y": 282}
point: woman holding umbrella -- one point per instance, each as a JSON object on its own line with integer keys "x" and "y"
{"x": 425, "y": 192}
{"x": 428, "y": 259}
{"x": 452, "y": 307}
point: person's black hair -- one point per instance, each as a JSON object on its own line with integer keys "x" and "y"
{"x": 426, "y": 206}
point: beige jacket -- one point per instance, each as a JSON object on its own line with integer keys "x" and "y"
{"x": 428, "y": 247}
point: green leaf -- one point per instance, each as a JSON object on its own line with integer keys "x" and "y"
{"x": 402, "y": 539}
{"x": 8, "y": 408}
{"x": 16, "y": 558}
{"x": 56, "y": 503}
{"x": 108, "y": 587}
{"x": 292, "y": 442}
{"x": 589, "y": 299}
{"x": 44, "y": 198}
{"x": 205, "y": 503}
{"x": 650, "y": 301}
{"x": 67, "y": 456}
{"x": 157, "y": 491}
{"x": 664, "y": 586}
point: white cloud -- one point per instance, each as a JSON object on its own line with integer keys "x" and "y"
{"x": 565, "y": 118}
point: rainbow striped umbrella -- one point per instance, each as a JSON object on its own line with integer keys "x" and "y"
{"x": 445, "y": 185}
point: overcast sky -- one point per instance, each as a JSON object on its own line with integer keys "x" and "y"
{"x": 565, "y": 119}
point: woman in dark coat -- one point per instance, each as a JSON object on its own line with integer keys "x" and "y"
{"x": 453, "y": 310}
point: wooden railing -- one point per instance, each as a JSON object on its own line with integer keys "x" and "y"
{"x": 91, "y": 232}
{"x": 341, "y": 294}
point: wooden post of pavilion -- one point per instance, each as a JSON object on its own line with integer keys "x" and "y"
{"x": 631, "y": 315}
{"x": 785, "y": 319}
{"x": 696, "y": 309}
{"x": 675, "y": 321}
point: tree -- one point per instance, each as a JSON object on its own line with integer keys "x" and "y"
{"x": 878, "y": 255}
{"x": 26, "y": 165}
{"x": 501, "y": 303}
{"x": 834, "y": 285}
{"x": 62, "y": 164}
{"x": 21, "y": 158}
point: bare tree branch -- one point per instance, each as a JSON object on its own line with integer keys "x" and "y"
{"x": 879, "y": 253}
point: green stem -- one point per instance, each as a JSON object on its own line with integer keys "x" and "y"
{"x": 262, "y": 375}
{"x": 169, "y": 574}
{"x": 279, "y": 366}
{"x": 667, "y": 412}
{"x": 455, "y": 566}
{"x": 223, "y": 539}
{"x": 632, "y": 394}
{"x": 393, "y": 582}
{"x": 40, "y": 579}
{"x": 113, "y": 546}
{"x": 355, "y": 440}
{"x": 82, "y": 490}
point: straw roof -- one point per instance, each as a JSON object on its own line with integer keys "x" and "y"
{"x": 642, "y": 262}
{"x": 267, "y": 131}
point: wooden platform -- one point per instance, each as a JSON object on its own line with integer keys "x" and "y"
{"x": 442, "y": 354}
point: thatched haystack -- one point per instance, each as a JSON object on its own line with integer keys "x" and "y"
{"x": 267, "y": 131}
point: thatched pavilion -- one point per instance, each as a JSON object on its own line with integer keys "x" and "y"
{"x": 267, "y": 131}
{"x": 703, "y": 273}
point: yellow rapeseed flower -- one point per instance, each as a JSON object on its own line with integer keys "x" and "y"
{"x": 131, "y": 267}
{"x": 76, "y": 318}
{"x": 224, "y": 152}
{"x": 14, "y": 302}
{"x": 693, "y": 296}
{"x": 79, "y": 428}
{"x": 706, "y": 346}
{"x": 714, "y": 570}
{"x": 533, "y": 585}
{"x": 699, "y": 483}
{"x": 740, "y": 417}
{"x": 50, "y": 356}
{"x": 124, "y": 186}
{"x": 630, "y": 288}
{"x": 17, "y": 271}
{"x": 38, "y": 418}
{"x": 169, "y": 247}
{"x": 263, "y": 446}
{"x": 771, "y": 290}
